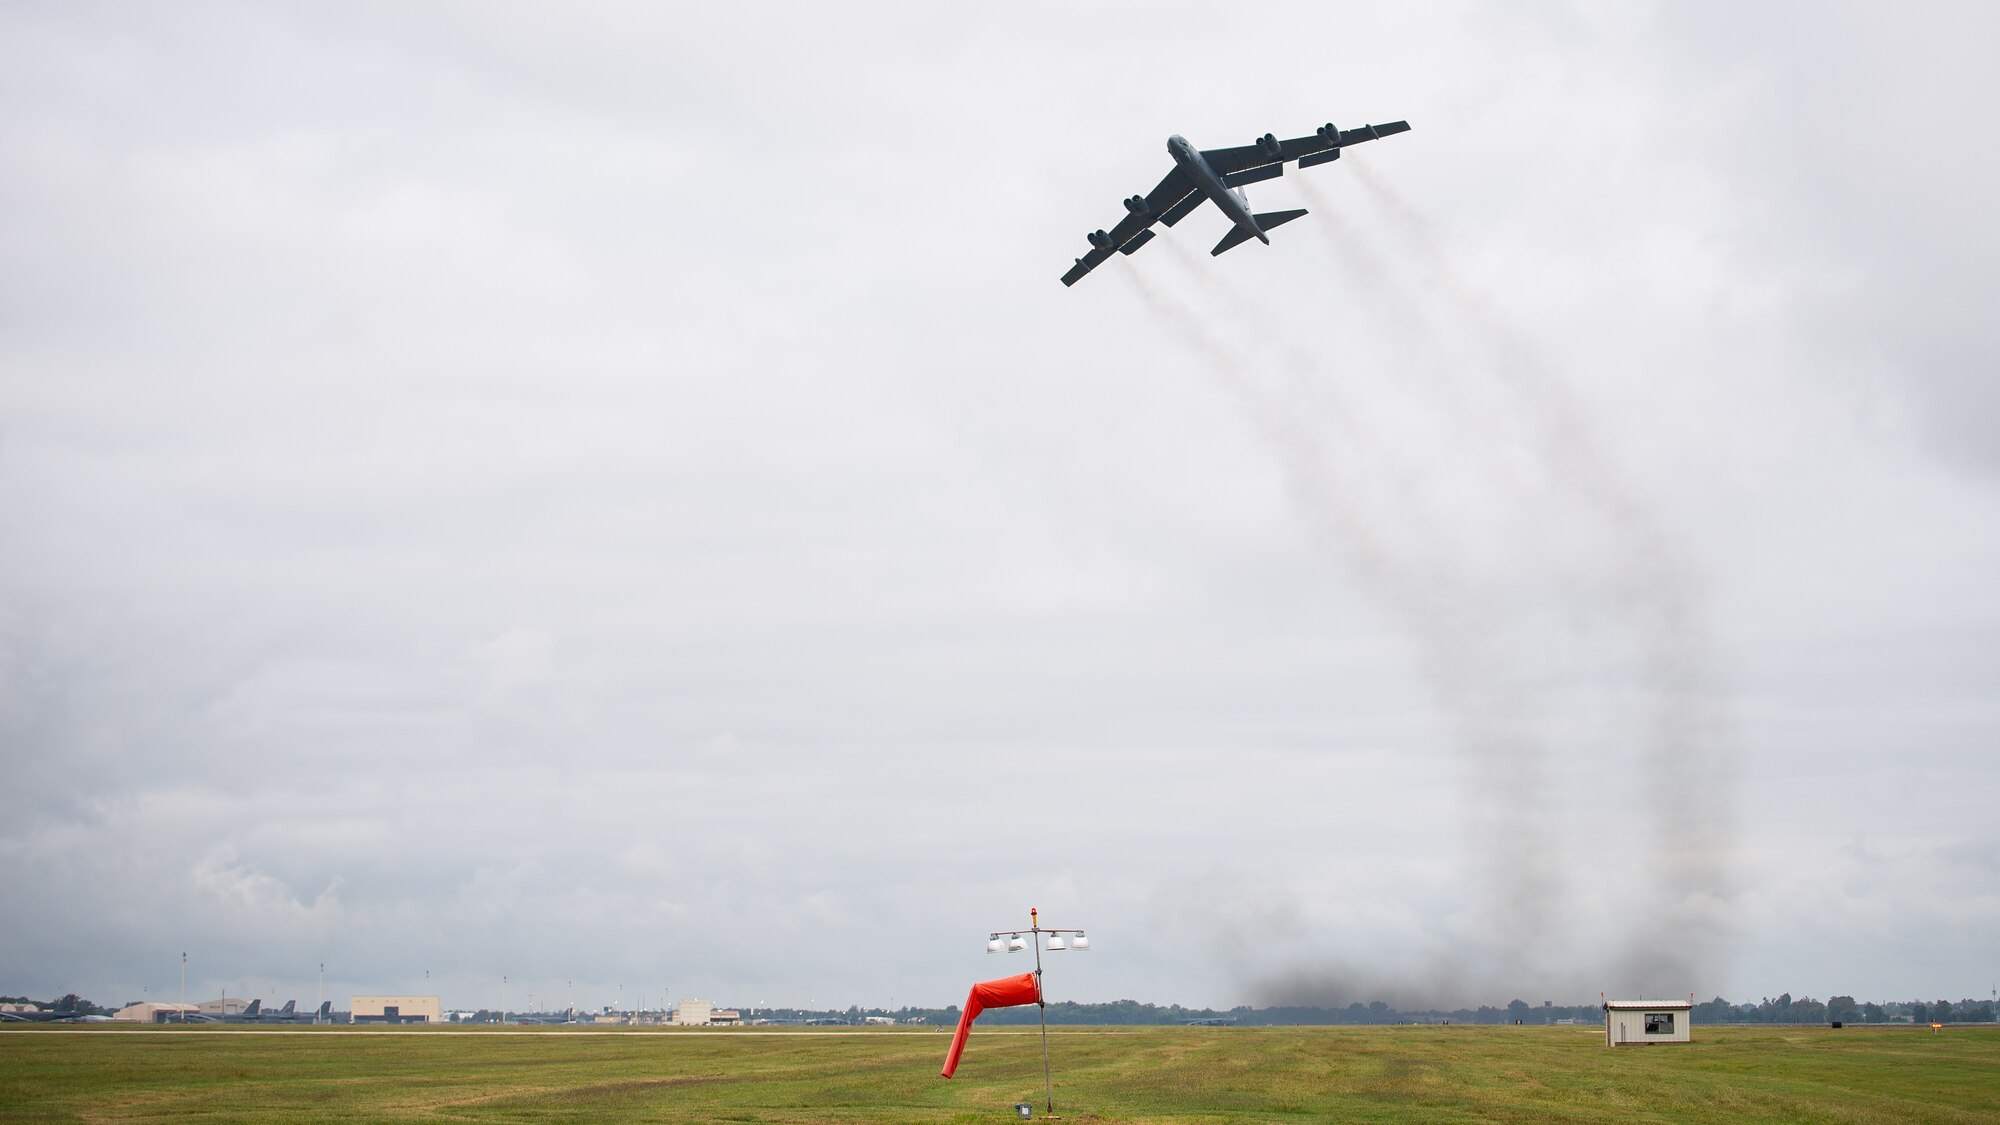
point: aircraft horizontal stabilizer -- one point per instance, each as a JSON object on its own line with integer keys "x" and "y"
{"x": 1237, "y": 236}
{"x": 1270, "y": 219}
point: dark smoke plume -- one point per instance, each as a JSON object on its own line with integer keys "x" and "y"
{"x": 1341, "y": 477}
{"x": 1517, "y": 425}
{"x": 1682, "y": 761}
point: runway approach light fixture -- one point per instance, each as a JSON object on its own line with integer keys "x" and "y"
{"x": 1015, "y": 944}
{"x": 995, "y": 945}
{"x": 1081, "y": 944}
{"x": 1055, "y": 943}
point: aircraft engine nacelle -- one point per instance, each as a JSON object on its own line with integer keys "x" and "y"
{"x": 1269, "y": 143}
{"x": 1102, "y": 240}
{"x": 1136, "y": 205}
{"x": 1329, "y": 134}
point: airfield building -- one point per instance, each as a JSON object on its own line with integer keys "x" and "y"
{"x": 224, "y": 1006}
{"x": 1640, "y": 1022}
{"x": 397, "y": 1009}
{"x": 693, "y": 1013}
{"x": 156, "y": 1013}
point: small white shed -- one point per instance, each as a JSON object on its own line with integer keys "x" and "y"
{"x": 1642, "y": 1022}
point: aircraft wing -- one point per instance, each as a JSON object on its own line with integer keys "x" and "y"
{"x": 1173, "y": 190}
{"x": 1169, "y": 202}
{"x": 1172, "y": 193}
{"x": 1085, "y": 264}
{"x": 1228, "y": 161}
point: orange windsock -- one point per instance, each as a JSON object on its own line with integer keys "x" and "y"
{"x": 1007, "y": 992}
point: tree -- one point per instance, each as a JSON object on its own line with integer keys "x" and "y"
{"x": 1843, "y": 1009}
{"x": 1872, "y": 1012}
{"x": 1941, "y": 1012}
{"x": 1919, "y": 1013}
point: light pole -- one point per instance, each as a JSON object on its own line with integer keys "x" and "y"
{"x": 183, "y": 1013}
{"x": 1014, "y": 944}
{"x": 321, "y": 1003}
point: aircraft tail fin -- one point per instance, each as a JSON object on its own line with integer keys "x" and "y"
{"x": 256, "y": 1007}
{"x": 325, "y": 1009}
{"x": 289, "y": 1008}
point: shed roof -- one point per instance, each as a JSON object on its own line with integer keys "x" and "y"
{"x": 1649, "y": 1005}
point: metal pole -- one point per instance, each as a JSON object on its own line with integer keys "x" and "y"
{"x": 322, "y": 992}
{"x": 1042, "y": 1007}
{"x": 183, "y": 1013}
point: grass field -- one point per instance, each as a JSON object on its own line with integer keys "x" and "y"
{"x": 1154, "y": 1074}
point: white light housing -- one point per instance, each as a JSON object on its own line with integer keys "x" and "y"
{"x": 1055, "y": 943}
{"x": 1015, "y": 944}
{"x": 1081, "y": 944}
{"x": 994, "y": 945}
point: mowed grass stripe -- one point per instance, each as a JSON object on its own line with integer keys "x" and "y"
{"x": 1168, "y": 1075}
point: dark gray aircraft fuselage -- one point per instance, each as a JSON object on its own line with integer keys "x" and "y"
{"x": 1217, "y": 176}
{"x": 1226, "y": 199}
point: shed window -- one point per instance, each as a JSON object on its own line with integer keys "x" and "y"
{"x": 1659, "y": 1023}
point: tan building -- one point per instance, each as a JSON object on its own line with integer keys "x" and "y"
{"x": 224, "y": 1006}
{"x": 397, "y": 1009}
{"x": 693, "y": 1013}
{"x": 1630, "y": 1023}
{"x": 155, "y": 1013}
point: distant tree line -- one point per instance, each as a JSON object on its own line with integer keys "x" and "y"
{"x": 1843, "y": 1009}
{"x": 71, "y": 1003}
{"x": 1782, "y": 1009}
{"x": 1779, "y": 1009}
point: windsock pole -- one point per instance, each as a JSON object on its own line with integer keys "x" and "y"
{"x": 1042, "y": 1007}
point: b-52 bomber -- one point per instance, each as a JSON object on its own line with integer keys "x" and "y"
{"x": 1219, "y": 174}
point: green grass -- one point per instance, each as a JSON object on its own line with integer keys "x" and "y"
{"x": 1170, "y": 1074}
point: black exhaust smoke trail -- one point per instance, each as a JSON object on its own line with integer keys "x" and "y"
{"x": 1660, "y": 598}
{"x": 1459, "y": 639}
{"x": 1359, "y": 497}
{"x": 1458, "y": 395}
{"x": 1299, "y": 459}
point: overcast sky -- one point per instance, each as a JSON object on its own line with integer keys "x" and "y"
{"x": 618, "y": 495}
